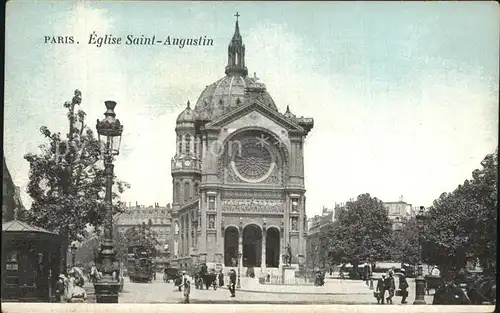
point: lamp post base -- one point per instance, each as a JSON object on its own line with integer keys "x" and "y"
{"x": 106, "y": 291}
{"x": 419, "y": 290}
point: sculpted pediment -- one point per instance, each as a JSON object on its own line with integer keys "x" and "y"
{"x": 255, "y": 113}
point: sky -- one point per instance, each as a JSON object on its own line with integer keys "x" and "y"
{"x": 404, "y": 95}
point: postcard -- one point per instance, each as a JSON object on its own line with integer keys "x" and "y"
{"x": 250, "y": 156}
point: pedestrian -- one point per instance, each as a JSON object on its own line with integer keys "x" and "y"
{"x": 187, "y": 286}
{"x": 435, "y": 271}
{"x": 178, "y": 280}
{"x": 403, "y": 285}
{"x": 93, "y": 272}
{"x": 221, "y": 279}
{"x": 381, "y": 289}
{"x": 213, "y": 279}
{"x": 366, "y": 270}
{"x": 390, "y": 286}
{"x": 232, "y": 282}
{"x": 341, "y": 272}
{"x": 60, "y": 289}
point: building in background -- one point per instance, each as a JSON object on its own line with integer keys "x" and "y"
{"x": 317, "y": 226}
{"x": 11, "y": 197}
{"x": 161, "y": 218}
{"x": 398, "y": 212}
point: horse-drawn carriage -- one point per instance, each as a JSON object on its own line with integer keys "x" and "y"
{"x": 203, "y": 276}
{"x": 170, "y": 273}
{"x": 468, "y": 287}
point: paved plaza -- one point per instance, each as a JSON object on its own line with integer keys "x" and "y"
{"x": 335, "y": 291}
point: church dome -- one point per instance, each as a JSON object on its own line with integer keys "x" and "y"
{"x": 230, "y": 91}
{"x": 186, "y": 116}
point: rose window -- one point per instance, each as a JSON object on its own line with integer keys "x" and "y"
{"x": 255, "y": 162}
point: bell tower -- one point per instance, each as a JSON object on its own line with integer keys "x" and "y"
{"x": 186, "y": 163}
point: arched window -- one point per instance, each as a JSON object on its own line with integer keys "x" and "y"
{"x": 195, "y": 146}
{"x": 187, "y": 147}
{"x": 179, "y": 144}
{"x": 196, "y": 190}
{"x": 236, "y": 58}
{"x": 178, "y": 192}
{"x": 187, "y": 193}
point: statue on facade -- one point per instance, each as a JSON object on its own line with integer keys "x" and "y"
{"x": 288, "y": 254}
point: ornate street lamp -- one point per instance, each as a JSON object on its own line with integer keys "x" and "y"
{"x": 238, "y": 283}
{"x": 73, "y": 254}
{"x": 110, "y": 131}
{"x": 420, "y": 280}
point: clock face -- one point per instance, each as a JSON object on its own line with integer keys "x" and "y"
{"x": 187, "y": 163}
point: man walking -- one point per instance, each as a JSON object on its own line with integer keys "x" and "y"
{"x": 381, "y": 289}
{"x": 403, "y": 285}
{"x": 390, "y": 286}
{"x": 232, "y": 282}
{"x": 186, "y": 282}
{"x": 366, "y": 270}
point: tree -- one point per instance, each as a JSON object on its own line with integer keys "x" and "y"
{"x": 405, "y": 243}
{"x": 65, "y": 182}
{"x": 361, "y": 232}
{"x": 140, "y": 235}
{"x": 87, "y": 250}
{"x": 461, "y": 226}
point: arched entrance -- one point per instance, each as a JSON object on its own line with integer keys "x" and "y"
{"x": 252, "y": 245}
{"x": 272, "y": 247}
{"x": 231, "y": 246}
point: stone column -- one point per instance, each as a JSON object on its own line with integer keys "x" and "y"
{"x": 287, "y": 220}
{"x": 203, "y": 226}
{"x": 240, "y": 255}
{"x": 282, "y": 246}
{"x": 188, "y": 237}
{"x": 300, "y": 222}
{"x": 218, "y": 208}
{"x": 192, "y": 143}
{"x": 181, "y": 235}
{"x": 183, "y": 144}
{"x": 240, "y": 244}
{"x": 263, "y": 252}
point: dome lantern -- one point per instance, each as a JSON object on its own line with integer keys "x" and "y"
{"x": 233, "y": 90}
{"x": 186, "y": 116}
{"x": 289, "y": 114}
{"x": 236, "y": 53}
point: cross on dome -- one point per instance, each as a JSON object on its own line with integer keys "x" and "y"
{"x": 237, "y": 15}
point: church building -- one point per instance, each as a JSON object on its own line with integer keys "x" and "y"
{"x": 238, "y": 175}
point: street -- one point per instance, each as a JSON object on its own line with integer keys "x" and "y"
{"x": 334, "y": 291}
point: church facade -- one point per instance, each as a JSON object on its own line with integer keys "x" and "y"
{"x": 238, "y": 175}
